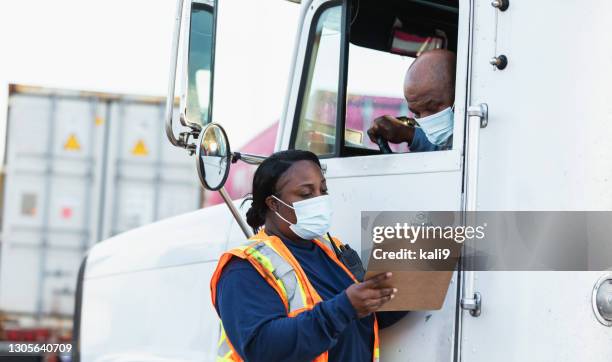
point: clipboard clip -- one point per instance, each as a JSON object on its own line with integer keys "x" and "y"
{"x": 472, "y": 304}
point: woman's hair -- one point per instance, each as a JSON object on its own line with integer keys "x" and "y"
{"x": 265, "y": 179}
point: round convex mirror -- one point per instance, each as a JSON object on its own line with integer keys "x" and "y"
{"x": 213, "y": 157}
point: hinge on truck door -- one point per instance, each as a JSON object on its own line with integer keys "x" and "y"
{"x": 472, "y": 304}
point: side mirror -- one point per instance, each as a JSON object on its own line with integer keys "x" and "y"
{"x": 193, "y": 48}
{"x": 213, "y": 160}
{"x": 213, "y": 157}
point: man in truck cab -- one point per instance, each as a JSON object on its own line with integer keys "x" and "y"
{"x": 429, "y": 89}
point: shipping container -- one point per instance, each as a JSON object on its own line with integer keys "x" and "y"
{"x": 79, "y": 168}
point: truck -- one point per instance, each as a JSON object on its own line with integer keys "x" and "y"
{"x": 531, "y": 133}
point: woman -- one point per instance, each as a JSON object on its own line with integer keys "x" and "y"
{"x": 285, "y": 296}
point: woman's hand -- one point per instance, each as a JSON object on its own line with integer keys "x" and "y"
{"x": 369, "y": 296}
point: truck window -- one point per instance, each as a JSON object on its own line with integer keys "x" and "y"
{"x": 384, "y": 38}
{"x": 372, "y": 93}
{"x": 317, "y": 120}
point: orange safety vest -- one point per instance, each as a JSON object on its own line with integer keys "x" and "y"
{"x": 271, "y": 258}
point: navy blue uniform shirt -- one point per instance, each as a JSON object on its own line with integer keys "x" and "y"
{"x": 255, "y": 320}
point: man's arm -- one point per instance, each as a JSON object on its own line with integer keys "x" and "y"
{"x": 391, "y": 129}
{"x": 396, "y": 131}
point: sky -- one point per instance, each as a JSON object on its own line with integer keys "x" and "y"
{"x": 112, "y": 45}
{"x": 123, "y": 46}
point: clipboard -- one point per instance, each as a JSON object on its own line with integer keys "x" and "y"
{"x": 422, "y": 284}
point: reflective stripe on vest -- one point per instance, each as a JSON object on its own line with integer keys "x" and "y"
{"x": 283, "y": 272}
{"x": 275, "y": 263}
{"x": 224, "y": 350}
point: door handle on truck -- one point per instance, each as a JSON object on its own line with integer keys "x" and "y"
{"x": 478, "y": 117}
{"x": 481, "y": 111}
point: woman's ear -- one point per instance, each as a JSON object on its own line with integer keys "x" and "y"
{"x": 272, "y": 203}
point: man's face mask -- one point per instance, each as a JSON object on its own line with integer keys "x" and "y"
{"x": 439, "y": 126}
{"x": 313, "y": 216}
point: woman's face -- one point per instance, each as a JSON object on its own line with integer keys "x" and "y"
{"x": 303, "y": 180}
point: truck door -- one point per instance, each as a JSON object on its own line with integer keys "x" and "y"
{"x": 546, "y": 148}
{"x": 349, "y": 68}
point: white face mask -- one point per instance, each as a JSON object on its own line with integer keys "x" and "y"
{"x": 313, "y": 216}
{"x": 439, "y": 126}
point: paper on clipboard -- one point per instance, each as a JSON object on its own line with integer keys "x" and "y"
{"x": 416, "y": 290}
{"x": 422, "y": 283}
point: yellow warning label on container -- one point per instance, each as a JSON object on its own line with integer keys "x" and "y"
{"x": 72, "y": 144}
{"x": 140, "y": 149}
{"x": 99, "y": 121}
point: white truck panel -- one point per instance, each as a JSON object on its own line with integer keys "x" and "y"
{"x": 161, "y": 313}
{"x": 147, "y": 291}
{"x": 195, "y": 237}
{"x": 546, "y": 147}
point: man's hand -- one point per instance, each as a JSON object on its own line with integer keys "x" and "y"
{"x": 369, "y": 296}
{"x": 390, "y": 129}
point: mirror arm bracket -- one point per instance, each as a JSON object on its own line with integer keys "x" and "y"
{"x": 247, "y": 158}
{"x": 185, "y": 142}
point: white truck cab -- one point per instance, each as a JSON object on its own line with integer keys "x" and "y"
{"x": 531, "y": 132}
